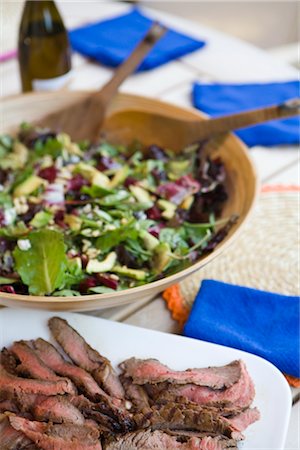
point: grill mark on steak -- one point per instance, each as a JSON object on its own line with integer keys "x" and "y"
{"x": 239, "y": 395}
{"x": 82, "y": 379}
{"x": 8, "y": 361}
{"x": 58, "y": 437}
{"x": 135, "y": 393}
{"x": 173, "y": 417}
{"x": 151, "y": 371}
{"x": 86, "y": 357}
{"x": 153, "y": 440}
{"x": 10, "y": 439}
{"x": 113, "y": 420}
{"x": 10, "y": 384}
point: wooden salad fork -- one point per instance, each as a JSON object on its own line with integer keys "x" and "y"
{"x": 177, "y": 132}
{"x": 83, "y": 119}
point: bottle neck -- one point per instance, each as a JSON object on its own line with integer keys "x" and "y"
{"x": 41, "y": 10}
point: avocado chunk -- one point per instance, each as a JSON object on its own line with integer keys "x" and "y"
{"x": 73, "y": 221}
{"x": 95, "y": 266}
{"x": 167, "y": 207}
{"x": 94, "y": 176}
{"x": 150, "y": 242}
{"x": 28, "y": 186}
{"x": 176, "y": 169}
{"x": 161, "y": 257}
{"x": 119, "y": 177}
{"x": 130, "y": 273}
{"x": 141, "y": 195}
{"x": 41, "y": 219}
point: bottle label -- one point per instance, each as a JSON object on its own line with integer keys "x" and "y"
{"x": 51, "y": 84}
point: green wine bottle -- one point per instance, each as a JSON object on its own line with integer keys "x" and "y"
{"x": 44, "y": 50}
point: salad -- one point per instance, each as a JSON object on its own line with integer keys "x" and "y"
{"x": 77, "y": 218}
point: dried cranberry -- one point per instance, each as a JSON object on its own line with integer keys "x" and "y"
{"x": 48, "y": 173}
{"x": 86, "y": 284}
{"x": 155, "y": 230}
{"x": 59, "y": 218}
{"x": 107, "y": 281}
{"x": 153, "y": 213}
{"x": 2, "y": 218}
{"x": 7, "y": 288}
{"x": 130, "y": 181}
{"x": 77, "y": 182}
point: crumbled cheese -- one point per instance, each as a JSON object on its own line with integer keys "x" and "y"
{"x": 92, "y": 253}
{"x": 20, "y": 204}
{"x": 96, "y": 233}
{"x": 9, "y": 216}
{"x": 24, "y": 244}
{"x": 110, "y": 227}
{"x": 86, "y": 232}
{"x": 1, "y": 187}
{"x": 115, "y": 277}
{"x": 87, "y": 208}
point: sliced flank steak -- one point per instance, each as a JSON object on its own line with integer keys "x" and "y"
{"x": 11, "y": 384}
{"x": 154, "y": 440}
{"x": 240, "y": 395}
{"x": 55, "y": 361}
{"x": 11, "y": 439}
{"x": 58, "y": 436}
{"x": 30, "y": 364}
{"x": 151, "y": 371}
{"x": 173, "y": 417}
{"x": 86, "y": 357}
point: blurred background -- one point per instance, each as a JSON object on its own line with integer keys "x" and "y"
{"x": 267, "y": 24}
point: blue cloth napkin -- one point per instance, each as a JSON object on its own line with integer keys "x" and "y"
{"x": 219, "y": 99}
{"x": 111, "y": 41}
{"x": 258, "y": 322}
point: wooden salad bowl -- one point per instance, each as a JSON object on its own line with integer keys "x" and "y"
{"x": 242, "y": 183}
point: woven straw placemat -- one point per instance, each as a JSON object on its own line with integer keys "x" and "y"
{"x": 266, "y": 254}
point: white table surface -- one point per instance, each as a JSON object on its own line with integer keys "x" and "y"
{"x": 223, "y": 59}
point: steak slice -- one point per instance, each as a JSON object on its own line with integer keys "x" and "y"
{"x": 10, "y": 439}
{"x": 151, "y": 371}
{"x": 135, "y": 393}
{"x": 58, "y": 437}
{"x": 86, "y": 357}
{"x": 239, "y": 395}
{"x": 173, "y": 417}
{"x": 57, "y": 410}
{"x": 111, "y": 420}
{"x": 9, "y": 384}
{"x": 245, "y": 418}
{"x": 82, "y": 379}
{"x": 154, "y": 440}
{"x": 30, "y": 364}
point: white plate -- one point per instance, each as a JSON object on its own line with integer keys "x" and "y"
{"x": 118, "y": 342}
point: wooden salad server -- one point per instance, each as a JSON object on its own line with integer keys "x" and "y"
{"x": 83, "y": 119}
{"x": 175, "y": 132}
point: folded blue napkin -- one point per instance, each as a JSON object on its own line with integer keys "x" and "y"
{"x": 220, "y": 99}
{"x": 111, "y": 41}
{"x": 258, "y": 322}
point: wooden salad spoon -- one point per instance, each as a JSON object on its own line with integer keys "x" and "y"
{"x": 83, "y": 119}
{"x": 175, "y": 133}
